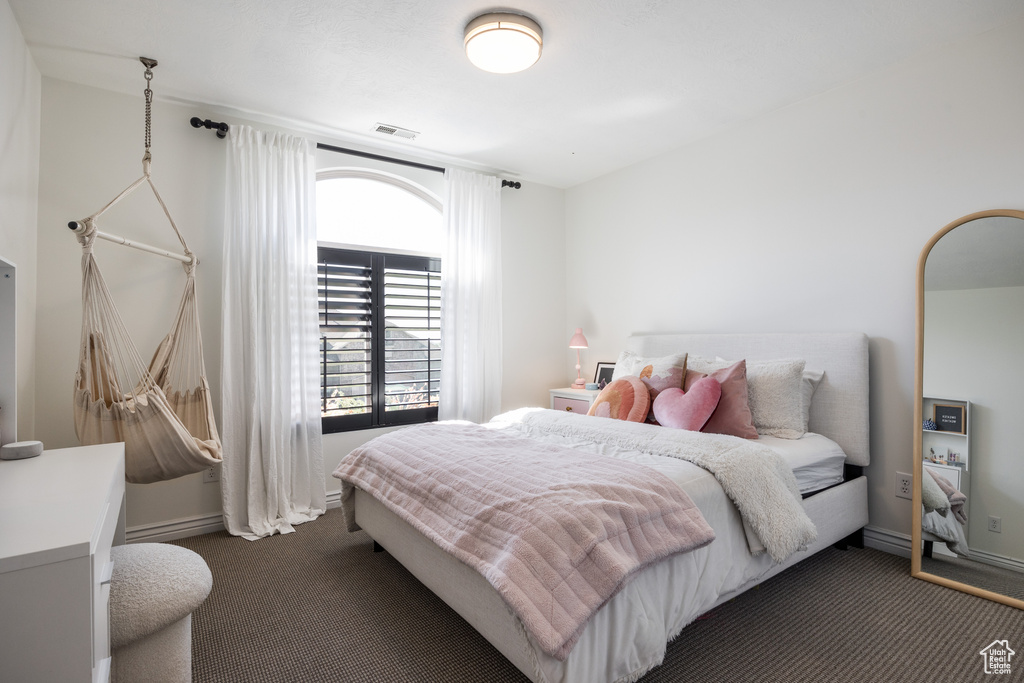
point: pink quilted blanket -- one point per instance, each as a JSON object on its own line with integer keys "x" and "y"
{"x": 556, "y": 532}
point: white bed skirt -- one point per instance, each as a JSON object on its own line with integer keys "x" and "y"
{"x": 836, "y": 512}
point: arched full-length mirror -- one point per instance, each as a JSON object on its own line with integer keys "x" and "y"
{"x": 969, "y": 446}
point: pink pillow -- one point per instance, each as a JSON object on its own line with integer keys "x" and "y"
{"x": 732, "y": 416}
{"x": 657, "y": 373}
{"x": 624, "y": 399}
{"x": 689, "y": 410}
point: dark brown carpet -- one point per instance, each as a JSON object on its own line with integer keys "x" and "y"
{"x": 318, "y": 605}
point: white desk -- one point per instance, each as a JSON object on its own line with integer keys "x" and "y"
{"x": 60, "y": 513}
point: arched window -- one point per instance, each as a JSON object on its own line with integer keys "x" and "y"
{"x": 377, "y": 211}
{"x": 380, "y": 299}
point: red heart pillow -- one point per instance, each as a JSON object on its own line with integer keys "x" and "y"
{"x": 690, "y": 410}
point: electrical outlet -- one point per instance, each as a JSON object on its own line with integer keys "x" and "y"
{"x": 995, "y": 524}
{"x": 211, "y": 474}
{"x": 904, "y": 485}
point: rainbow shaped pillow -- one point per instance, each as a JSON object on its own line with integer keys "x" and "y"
{"x": 626, "y": 398}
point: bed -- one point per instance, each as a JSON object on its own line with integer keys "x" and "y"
{"x": 627, "y": 636}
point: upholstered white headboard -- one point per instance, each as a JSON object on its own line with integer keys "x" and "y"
{"x": 839, "y": 409}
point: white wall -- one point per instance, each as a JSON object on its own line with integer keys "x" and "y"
{"x": 535, "y": 340}
{"x": 19, "y": 179}
{"x": 809, "y": 218}
{"x": 973, "y": 342}
{"x": 92, "y": 148}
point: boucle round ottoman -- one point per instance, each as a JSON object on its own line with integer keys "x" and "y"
{"x": 153, "y": 591}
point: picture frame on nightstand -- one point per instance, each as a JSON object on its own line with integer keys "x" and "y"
{"x": 604, "y": 372}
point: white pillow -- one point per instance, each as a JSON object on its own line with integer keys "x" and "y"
{"x": 775, "y": 393}
{"x": 810, "y": 381}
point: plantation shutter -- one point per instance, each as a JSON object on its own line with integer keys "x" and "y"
{"x": 346, "y": 334}
{"x": 380, "y": 338}
{"x": 412, "y": 338}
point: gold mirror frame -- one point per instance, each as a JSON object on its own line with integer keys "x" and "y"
{"x": 916, "y": 540}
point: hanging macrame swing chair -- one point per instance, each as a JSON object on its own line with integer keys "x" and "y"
{"x": 162, "y": 412}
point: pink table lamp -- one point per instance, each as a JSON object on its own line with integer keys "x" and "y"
{"x": 578, "y": 342}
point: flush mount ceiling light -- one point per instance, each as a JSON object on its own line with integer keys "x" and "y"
{"x": 503, "y": 43}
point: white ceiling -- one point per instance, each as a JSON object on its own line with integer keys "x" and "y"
{"x": 619, "y": 81}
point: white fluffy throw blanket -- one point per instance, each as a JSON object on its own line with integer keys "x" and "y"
{"x": 756, "y": 479}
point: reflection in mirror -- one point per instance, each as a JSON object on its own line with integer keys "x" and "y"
{"x": 969, "y": 500}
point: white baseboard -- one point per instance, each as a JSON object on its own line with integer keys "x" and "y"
{"x": 184, "y": 527}
{"x": 170, "y": 530}
{"x": 887, "y": 541}
{"x": 899, "y": 544}
{"x": 997, "y": 560}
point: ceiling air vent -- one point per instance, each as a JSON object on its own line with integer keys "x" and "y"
{"x": 395, "y": 131}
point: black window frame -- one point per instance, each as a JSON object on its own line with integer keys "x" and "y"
{"x": 378, "y": 264}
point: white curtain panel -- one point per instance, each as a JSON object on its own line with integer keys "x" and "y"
{"x": 471, "y": 298}
{"x": 273, "y": 473}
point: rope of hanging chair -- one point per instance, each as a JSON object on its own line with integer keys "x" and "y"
{"x": 147, "y": 159}
{"x": 103, "y": 318}
{"x": 186, "y": 363}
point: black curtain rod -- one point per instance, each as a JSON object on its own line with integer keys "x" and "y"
{"x": 221, "y": 128}
{"x": 379, "y": 157}
{"x": 222, "y": 131}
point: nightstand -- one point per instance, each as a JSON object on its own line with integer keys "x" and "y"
{"x": 573, "y": 400}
